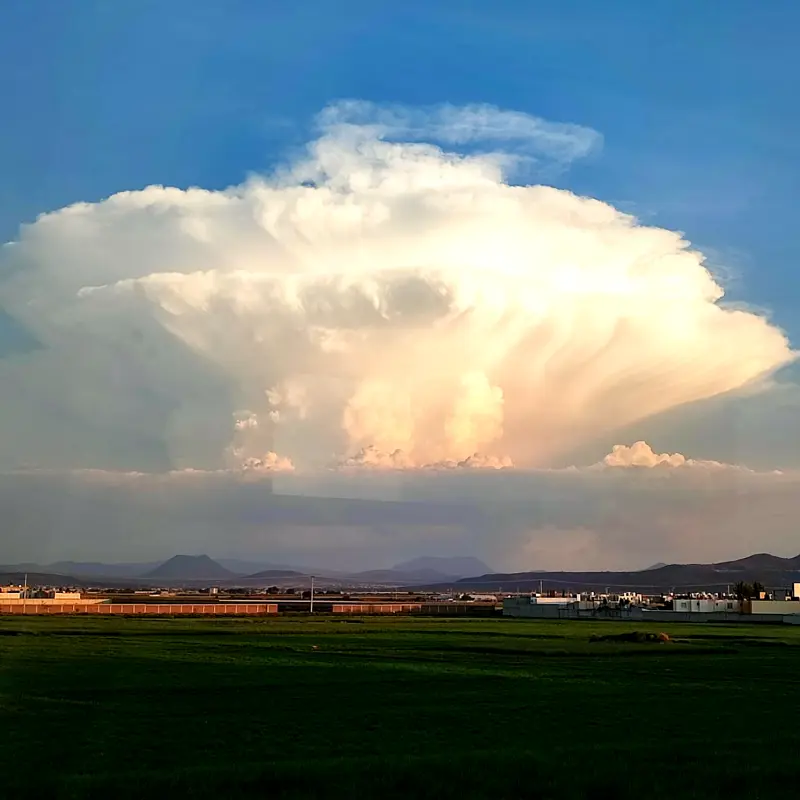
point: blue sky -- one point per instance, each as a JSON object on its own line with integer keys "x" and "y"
{"x": 695, "y": 101}
{"x": 696, "y": 105}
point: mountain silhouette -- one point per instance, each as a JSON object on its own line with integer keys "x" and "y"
{"x": 772, "y": 571}
{"x": 454, "y": 566}
{"x": 191, "y": 568}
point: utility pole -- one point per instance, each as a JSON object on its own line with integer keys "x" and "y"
{"x": 311, "y": 605}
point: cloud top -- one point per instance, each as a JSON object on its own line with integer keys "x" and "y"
{"x": 459, "y": 125}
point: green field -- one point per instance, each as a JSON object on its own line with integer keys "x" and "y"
{"x": 385, "y": 708}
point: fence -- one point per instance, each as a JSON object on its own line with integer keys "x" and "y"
{"x": 170, "y": 609}
{"x": 375, "y": 608}
{"x": 438, "y": 609}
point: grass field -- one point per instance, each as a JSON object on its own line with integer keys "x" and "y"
{"x": 386, "y": 708}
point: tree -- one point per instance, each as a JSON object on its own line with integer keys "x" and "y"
{"x": 758, "y": 587}
{"x": 743, "y": 591}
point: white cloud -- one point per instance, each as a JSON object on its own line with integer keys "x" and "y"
{"x": 640, "y": 454}
{"x": 269, "y": 462}
{"x": 410, "y": 301}
{"x": 459, "y": 125}
{"x": 373, "y": 458}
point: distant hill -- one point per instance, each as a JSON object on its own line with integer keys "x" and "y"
{"x": 395, "y": 577}
{"x": 270, "y": 574}
{"x": 772, "y": 571}
{"x": 240, "y": 566}
{"x": 190, "y": 568}
{"x": 98, "y": 569}
{"x": 455, "y": 566}
{"x": 13, "y": 578}
{"x": 88, "y": 569}
{"x": 759, "y": 562}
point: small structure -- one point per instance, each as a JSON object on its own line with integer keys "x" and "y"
{"x": 66, "y": 597}
{"x": 704, "y": 605}
{"x": 548, "y": 607}
{"x": 539, "y": 600}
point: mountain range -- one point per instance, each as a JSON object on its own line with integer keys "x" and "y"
{"x": 194, "y": 570}
{"x": 425, "y": 572}
{"x": 772, "y": 571}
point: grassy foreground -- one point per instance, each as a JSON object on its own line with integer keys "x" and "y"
{"x": 385, "y": 708}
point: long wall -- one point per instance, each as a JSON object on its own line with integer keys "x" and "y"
{"x": 49, "y": 601}
{"x": 167, "y": 609}
{"x": 375, "y": 608}
{"x": 774, "y": 607}
{"x": 424, "y": 609}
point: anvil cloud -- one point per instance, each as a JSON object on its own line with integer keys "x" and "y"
{"x": 381, "y": 295}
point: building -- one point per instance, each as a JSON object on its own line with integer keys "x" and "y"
{"x": 785, "y": 607}
{"x": 548, "y": 607}
{"x": 550, "y": 601}
{"x": 704, "y": 605}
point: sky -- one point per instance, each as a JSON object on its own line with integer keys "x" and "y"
{"x": 362, "y": 251}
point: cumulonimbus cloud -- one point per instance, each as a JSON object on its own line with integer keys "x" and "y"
{"x": 380, "y": 296}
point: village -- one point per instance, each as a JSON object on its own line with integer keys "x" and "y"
{"x": 741, "y": 602}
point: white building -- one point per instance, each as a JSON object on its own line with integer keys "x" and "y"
{"x": 703, "y": 605}
{"x": 552, "y": 601}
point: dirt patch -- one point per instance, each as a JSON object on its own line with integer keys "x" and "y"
{"x": 638, "y": 637}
